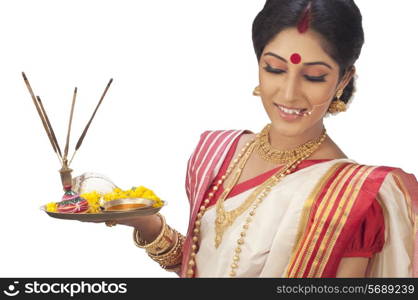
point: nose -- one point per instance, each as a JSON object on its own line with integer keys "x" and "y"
{"x": 290, "y": 88}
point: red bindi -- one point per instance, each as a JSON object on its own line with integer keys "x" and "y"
{"x": 295, "y": 58}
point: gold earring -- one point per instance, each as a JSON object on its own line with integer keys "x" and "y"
{"x": 337, "y": 105}
{"x": 257, "y": 91}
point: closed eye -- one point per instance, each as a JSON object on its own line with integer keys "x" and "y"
{"x": 269, "y": 69}
{"x": 316, "y": 78}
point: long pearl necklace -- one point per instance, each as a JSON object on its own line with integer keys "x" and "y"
{"x": 256, "y": 198}
{"x": 196, "y": 230}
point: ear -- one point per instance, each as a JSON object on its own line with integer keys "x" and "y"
{"x": 346, "y": 78}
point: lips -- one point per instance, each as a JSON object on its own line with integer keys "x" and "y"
{"x": 291, "y": 110}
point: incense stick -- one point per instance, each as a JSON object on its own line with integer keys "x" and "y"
{"x": 80, "y": 140}
{"x": 38, "y": 109}
{"x": 67, "y": 143}
{"x": 50, "y": 127}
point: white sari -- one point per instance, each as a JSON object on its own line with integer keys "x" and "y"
{"x": 275, "y": 229}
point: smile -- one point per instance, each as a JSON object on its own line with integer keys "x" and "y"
{"x": 291, "y": 111}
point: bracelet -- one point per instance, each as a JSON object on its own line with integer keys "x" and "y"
{"x": 161, "y": 243}
{"x": 143, "y": 244}
{"x": 174, "y": 249}
{"x": 166, "y": 249}
{"x": 172, "y": 259}
{"x": 164, "y": 244}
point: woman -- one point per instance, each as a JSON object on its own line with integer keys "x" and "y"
{"x": 287, "y": 202}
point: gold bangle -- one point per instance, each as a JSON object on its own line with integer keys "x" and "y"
{"x": 174, "y": 256}
{"x": 162, "y": 249}
{"x": 169, "y": 253}
{"x": 143, "y": 244}
{"x": 165, "y": 243}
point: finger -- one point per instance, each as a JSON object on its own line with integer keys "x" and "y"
{"x": 111, "y": 223}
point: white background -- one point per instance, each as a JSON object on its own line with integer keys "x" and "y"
{"x": 179, "y": 68}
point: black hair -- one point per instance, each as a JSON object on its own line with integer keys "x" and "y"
{"x": 339, "y": 22}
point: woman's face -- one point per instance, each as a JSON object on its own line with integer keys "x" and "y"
{"x": 295, "y": 72}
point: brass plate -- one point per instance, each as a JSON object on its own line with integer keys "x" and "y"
{"x": 106, "y": 215}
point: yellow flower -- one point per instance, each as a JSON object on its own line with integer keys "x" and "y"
{"x": 51, "y": 207}
{"x": 140, "y": 190}
{"x": 150, "y": 195}
{"x": 91, "y": 197}
{"x": 94, "y": 209}
{"x": 158, "y": 203}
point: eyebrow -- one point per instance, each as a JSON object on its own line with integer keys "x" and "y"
{"x": 305, "y": 64}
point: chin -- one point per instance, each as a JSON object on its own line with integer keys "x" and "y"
{"x": 286, "y": 129}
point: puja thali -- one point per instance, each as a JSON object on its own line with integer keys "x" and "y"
{"x": 106, "y": 215}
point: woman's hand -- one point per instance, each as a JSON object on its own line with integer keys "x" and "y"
{"x": 148, "y": 226}
{"x": 138, "y": 222}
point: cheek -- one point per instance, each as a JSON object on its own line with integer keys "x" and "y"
{"x": 321, "y": 93}
{"x": 320, "y": 99}
{"x": 271, "y": 83}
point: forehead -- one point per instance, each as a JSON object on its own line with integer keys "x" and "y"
{"x": 307, "y": 45}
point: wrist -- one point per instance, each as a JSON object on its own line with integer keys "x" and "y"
{"x": 141, "y": 222}
{"x": 147, "y": 237}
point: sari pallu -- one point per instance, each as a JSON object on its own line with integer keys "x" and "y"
{"x": 323, "y": 216}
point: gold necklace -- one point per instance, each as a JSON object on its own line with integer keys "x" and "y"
{"x": 191, "y": 261}
{"x": 225, "y": 219}
{"x": 268, "y": 153}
